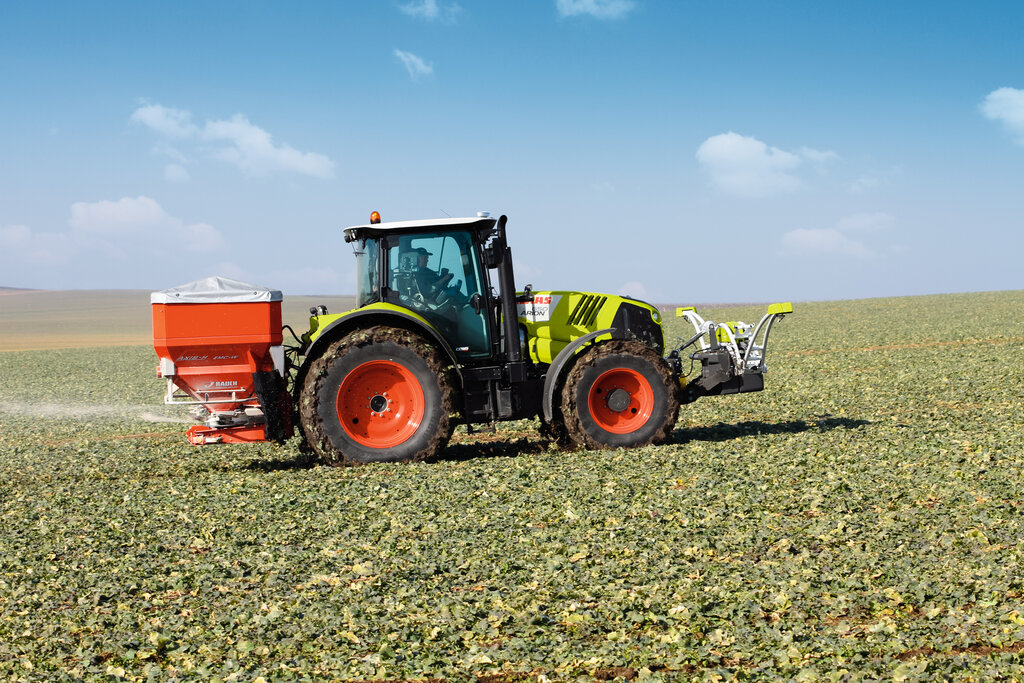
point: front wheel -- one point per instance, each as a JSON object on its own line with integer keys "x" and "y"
{"x": 619, "y": 394}
{"x": 377, "y": 395}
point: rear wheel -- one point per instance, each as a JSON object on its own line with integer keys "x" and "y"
{"x": 377, "y": 395}
{"x": 619, "y": 394}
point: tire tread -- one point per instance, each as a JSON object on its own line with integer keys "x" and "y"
{"x": 309, "y": 406}
{"x": 573, "y": 426}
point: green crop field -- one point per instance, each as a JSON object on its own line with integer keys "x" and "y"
{"x": 860, "y": 519}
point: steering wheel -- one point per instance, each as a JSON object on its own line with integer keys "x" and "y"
{"x": 451, "y": 296}
{"x": 440, "y": 284}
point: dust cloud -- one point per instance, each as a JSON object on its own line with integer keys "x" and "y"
{"x": 81, "y": 411}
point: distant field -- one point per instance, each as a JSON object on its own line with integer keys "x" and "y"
{"x": 44, "y": 319}
{"x": 860, "y": 519}
{"x": 76, "y": 319}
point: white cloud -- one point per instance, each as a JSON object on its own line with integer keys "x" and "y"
{"x": 746, "y": 167}
{"x": 171, "y": 152}
{"x": 23, "y": 246}
{"x": 633, "y": 289}
{"x": 431, "y": 10}
{"x": 110, "y": 243}
{"x": 15, "y": 236}
{"x": 817, "y": 156}
{"x": 875, "y": 178}
{"x": 414, "y": 65}
{"x": 845, "y": 239}
{"x": 175, "y": 123}
{"x": 231, "y": 270}
{"x": 235, "y": 140}
{"x": 599, "y": 9}
{"x": 1007, "y": 106}
{"x": 823, "y": 241}
{"x": 864, "y": 184}
{"x": 200, "y": 236}
{"x": 132, "y": 222}
{"x": 866, "y": 223}
{"x": 176, "y": 173}
{"x": 125, "y": 216}
{"x": 253, "y": 150}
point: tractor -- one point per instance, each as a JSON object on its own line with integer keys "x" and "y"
{"x": 440, "y": 337}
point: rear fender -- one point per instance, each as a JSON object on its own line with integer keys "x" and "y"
{"x": 362, "y": 318}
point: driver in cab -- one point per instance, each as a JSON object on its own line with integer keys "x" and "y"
{"x": 429, "y": 281}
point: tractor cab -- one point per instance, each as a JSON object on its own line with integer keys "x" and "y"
{"x": 434, "y": 269}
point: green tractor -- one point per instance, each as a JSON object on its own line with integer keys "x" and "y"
{"x": 432, "y": 344}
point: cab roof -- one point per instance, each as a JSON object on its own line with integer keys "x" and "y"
{"x": 483, "y": 223}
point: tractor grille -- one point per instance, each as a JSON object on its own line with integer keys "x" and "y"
{"x": 584, "y": 314}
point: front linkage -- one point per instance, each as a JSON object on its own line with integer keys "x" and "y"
{"x": 732, "y": 359}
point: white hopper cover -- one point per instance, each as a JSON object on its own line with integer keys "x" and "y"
{"x": 215, "y": 290}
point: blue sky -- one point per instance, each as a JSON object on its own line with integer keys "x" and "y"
{"x": 676, "y": 151}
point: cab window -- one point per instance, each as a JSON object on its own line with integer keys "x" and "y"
{"x": 366, "y": 272}
{"x": 437, "y": 275}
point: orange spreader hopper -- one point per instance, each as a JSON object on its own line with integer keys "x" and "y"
{"x": 220, "y": 348}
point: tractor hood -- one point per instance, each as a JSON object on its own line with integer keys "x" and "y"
{"x": 554, "y": 319}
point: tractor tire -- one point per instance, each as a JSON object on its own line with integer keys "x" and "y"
{"x": 382, "y": 394}
{"x": 619, "y": 395}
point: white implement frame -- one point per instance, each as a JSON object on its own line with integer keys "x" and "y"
{"x": 742, "y": 343}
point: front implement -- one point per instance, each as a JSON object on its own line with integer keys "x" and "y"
{"x": 732, "y": 355}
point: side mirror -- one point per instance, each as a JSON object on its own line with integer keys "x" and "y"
{"x": 476, "y": 301}
{"x": 492, "y": 257}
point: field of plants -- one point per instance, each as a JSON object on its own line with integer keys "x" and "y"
{"x": 861, "y": 519}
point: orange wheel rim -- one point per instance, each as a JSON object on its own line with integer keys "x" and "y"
{"x": 621, "y": 401}
{"x": 380, "y": 404}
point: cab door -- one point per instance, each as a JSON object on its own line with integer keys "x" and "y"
{"x": 439, "y": 276}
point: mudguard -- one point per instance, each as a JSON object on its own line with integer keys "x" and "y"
{"x": 558, "y": 365}
{"x": 357, "y": 319}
